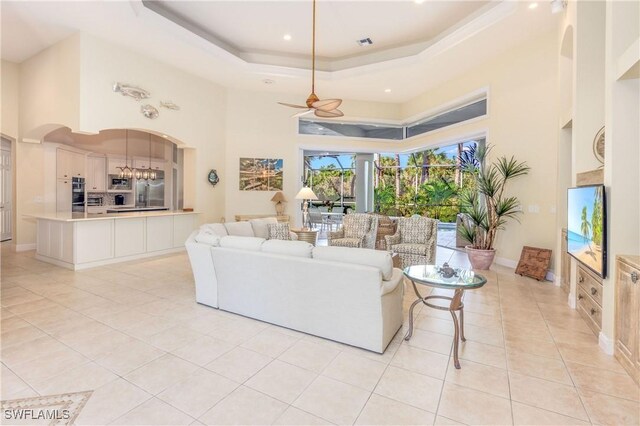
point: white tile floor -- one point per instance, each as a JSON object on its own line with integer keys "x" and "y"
{"x": 133, "y": 334}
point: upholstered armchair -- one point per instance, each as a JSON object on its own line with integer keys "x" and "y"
{"x": 414, "y": 241}
{"x": 358, "y": 230}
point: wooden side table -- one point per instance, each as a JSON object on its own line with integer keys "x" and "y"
{"x": 308, "y": 235}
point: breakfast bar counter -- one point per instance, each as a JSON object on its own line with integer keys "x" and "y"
{"x": 84, "y": 240}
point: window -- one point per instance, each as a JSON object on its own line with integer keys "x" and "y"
{"x": 426, "y": 182}
{"x": 476, "y": 109}
{"x": 449, "y": 118}
{"x": 332, "y": 178}
{"x": 353, "y": 130}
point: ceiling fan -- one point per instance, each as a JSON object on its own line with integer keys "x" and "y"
{"x": 325, "y": 108}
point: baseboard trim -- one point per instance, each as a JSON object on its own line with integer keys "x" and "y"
{"x": 87, "y": 265}
{"x": 605, "y": 343}
{"x": 503, "y": 261}
{"x": 25, "y": 247}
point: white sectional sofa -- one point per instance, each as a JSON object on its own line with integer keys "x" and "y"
{"x": 349, "y": 295}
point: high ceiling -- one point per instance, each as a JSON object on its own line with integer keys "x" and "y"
{"x": 416, "y": 44}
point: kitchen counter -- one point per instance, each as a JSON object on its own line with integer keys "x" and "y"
{"x": 77, "y": 217}
{"x": 84, "y": 240}
{"x": 121, "y": 209}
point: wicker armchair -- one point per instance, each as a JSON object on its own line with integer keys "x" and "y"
{"x": 414, "y": 241}
{"x": 358, "y": 230}
{"x": 386, "y": 226}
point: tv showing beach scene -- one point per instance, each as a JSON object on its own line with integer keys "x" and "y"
{"x": 586, "y": 227}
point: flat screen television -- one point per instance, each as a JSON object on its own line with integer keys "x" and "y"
{"x": 586, "y": 227}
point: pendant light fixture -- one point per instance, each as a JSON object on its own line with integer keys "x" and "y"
{"x": 126, "y": 171}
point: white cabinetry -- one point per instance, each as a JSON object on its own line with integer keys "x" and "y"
{"x": 96, "y": 174}
{"x": 144, "y": 164}
{"x": 63, "y": 195}
{"x": 114, "y": 163}
{"x": 69, "y": 164}
{"x": 89, "y": 242}
{"x": 130, "y": 236}
{"x": 159, "y": 233}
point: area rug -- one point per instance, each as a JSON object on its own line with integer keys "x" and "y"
{"x": 44, "y": 410}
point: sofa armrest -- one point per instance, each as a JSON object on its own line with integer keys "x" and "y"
{"x": 393, "y": 282}
{"x": 392, "y": 239}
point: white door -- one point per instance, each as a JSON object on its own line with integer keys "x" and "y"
{"x": 6, "y": 191}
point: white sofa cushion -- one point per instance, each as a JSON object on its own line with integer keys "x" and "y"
{"x": 215, "y": 228}
{"x": 240, "y": 229}
{"x": 288, "y": 248}
{"x": 242, "y": 243}
{"x": 360, "y": 256}
{"x": 207, "y": 237}
{"x": 261, "y": 226}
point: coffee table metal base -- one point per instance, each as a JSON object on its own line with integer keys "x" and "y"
{"x": 455, "y": 305}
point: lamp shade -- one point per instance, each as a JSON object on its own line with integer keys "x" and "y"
{"x": 278, "y": 197}
{"x": 306, "y": 194}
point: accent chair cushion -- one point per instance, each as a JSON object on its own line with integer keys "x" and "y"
{"x": 367, "y": 257}
{"x": 240, "y": 229}
{"x": 347, "y": 242}
{"x": 260, "y": 226}
{"x": 288, "y": 248}
{"x": 242, "y": 243}
{"x": 414, "y": 230}
{"x": 356, "y": 225}
{"x": 215, "y": 228}
{"x": 279, "y": 231}
{"x": 419, "y": 249}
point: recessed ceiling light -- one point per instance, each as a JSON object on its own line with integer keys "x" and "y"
{"x": 268, "y": 81}
{"x": 287, "y": 37}
{"x": 533, "y": 5}
{"x": 387, "y": 90}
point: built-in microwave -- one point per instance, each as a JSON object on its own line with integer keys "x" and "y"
{"x": 117, "y": 183}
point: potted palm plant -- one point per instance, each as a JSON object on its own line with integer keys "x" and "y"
{"x": 486, "y": 207}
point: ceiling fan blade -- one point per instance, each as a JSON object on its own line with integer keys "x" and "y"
{"x": 300, "y": 114}
{"x": 327, "y": 104}
{"x": 293, "y": 106}
{"x": 329, "y": 114}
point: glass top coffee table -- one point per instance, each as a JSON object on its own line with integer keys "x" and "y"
{"x": 445, "y": 277}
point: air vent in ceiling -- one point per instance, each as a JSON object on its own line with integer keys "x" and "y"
{"x": 365, "y": 42}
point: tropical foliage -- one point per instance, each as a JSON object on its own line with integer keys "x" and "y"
{"x": 596, "y": 218}
{"x": 485, "y": 203}
{"x": 425, "y": 183}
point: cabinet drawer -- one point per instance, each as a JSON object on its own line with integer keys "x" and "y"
{"x": 590, "y": 311}
{"x": 591, "y": 284}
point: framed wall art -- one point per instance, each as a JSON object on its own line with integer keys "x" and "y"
{"x": 261, "y": 174}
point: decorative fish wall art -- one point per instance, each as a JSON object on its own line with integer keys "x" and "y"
{"x": 149, "y": 111}
{"x": 138, "y": 94}
{"x": 169, "y": 105}
{"x": 134, "y": 92}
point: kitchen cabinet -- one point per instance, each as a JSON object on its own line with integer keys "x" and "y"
{"x": 64, "y": 195}
{"x": 96, "y": 174}
{"x": 144, "y": 164}
{"x": 69, "y": 164}
{"x": 627, "y": 335}
{"x": 114, "y": 163}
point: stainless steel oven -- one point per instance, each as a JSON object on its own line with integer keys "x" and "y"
{"x": 77, "y": 195}
{"x": 117, "y": 183}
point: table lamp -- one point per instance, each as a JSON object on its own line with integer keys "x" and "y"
{"x": 279, "y": 199}
{"x": 305, "y": 194}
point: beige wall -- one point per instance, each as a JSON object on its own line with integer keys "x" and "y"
{"x": 257, "y": 127}
{"x": 48, "y": 98}
{"x": 523, "y": 122}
